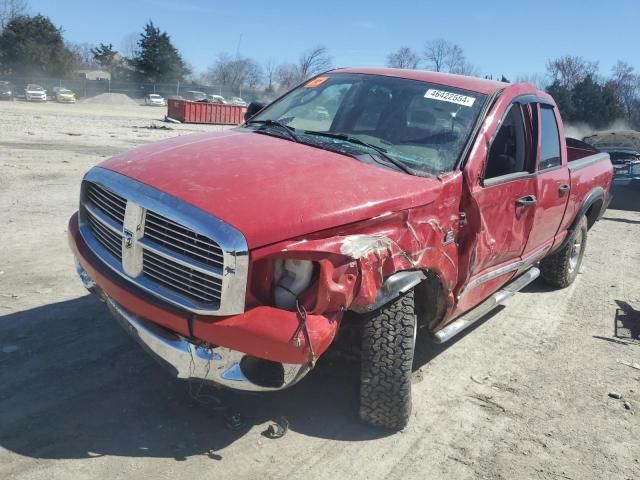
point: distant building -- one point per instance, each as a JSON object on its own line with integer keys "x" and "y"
{"x": 93, "y": 74}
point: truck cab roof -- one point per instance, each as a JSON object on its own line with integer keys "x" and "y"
{"x": 480, "y": 85}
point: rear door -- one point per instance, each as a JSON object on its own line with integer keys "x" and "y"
{"x": 552, "y": 180}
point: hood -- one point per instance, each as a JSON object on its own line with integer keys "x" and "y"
{"x": 271, "y": 189}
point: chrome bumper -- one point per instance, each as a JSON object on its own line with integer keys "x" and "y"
{"x": 186, "y": 359}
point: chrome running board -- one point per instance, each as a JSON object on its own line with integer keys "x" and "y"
{"x": 467, "y": 319}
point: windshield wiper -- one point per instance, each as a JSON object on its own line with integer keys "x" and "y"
{"x": 382, "y": 152}
{"x": 276, "y": 123}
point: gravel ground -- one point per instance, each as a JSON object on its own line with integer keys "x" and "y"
{"x": 523, "y": 395}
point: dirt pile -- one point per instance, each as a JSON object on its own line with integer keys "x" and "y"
{"x": 110, "y": 99}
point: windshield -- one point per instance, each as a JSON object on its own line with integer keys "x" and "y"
{"x": 423, "y": 126}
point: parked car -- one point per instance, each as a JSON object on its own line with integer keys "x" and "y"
{"x": 623, "y": 147}
{"x": 6, "y": 90}
{"x": 35, "y": 93}
{"x": 153, "y": 99}
{"x": 237, "y": 101}
{"x": 422, "y": 208}
{"x": 64, "y": 95}
{"x": 195, "y": 96}
{"x": 216, "y": 99}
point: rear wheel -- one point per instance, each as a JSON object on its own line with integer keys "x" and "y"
{"x": 388, "y": 343}
{"x": 561, "y": 268}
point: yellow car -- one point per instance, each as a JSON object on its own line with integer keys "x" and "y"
{"x": 64, "y": 95}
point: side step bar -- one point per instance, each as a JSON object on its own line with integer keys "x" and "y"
{"x": 467, "y": 319}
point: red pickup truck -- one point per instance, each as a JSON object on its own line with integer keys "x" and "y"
{"x": 407, "y": 199}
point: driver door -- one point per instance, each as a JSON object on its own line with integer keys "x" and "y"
{"x": 506, "y": 202}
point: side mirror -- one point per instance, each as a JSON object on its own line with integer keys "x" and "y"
{"x": 252, "y": 109}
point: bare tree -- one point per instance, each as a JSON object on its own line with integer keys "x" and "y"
{"x": 404, "y": 57}
{"x": 287, "y": 75}
{"x": 82, "y": 54}
{"x": 443, "y": 56}
{"x": 10, "y": 9}
{"x": 129, "y": 46}
{"x": 626, "y": 86}
{"x": 270, "y": 67}
{"x": 314, "y": 61}
{"x": 569, "y": 70}
{"x": 538, "y": 79}
{"x": 436, "y": 53}
{"x": 455, "y": 61}
{"x": 235, "y": 73}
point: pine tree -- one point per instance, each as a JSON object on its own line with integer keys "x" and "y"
{"x": 105, "y": 55}
{"x": 158, "y": 60}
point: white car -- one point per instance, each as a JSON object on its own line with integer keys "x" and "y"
{"x": 35, "y": 93}
{"x": 237, "y": 101}
{"x": 154, "y": 99}
{"x": 216, "y": 99}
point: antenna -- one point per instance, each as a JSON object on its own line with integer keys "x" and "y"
{"x": 238, "y": 48}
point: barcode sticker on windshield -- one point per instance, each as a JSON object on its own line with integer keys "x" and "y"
{"x": 450, "y": 97}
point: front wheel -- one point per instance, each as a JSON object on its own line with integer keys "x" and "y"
{"x": 388, "y": 343}
{"x": 561, "y": 268}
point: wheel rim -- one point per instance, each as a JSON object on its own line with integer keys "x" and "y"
{"x": 576, "y": 248}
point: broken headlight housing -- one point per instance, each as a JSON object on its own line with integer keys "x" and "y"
{"x": 291, "y": 277}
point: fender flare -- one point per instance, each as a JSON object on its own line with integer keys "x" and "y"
{"x": 396, "y": 285}
{"x": 594, "y": 195}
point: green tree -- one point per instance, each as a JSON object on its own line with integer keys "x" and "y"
{"x": 157, "y": 59}
{"x": 34, "y": 45}
{"x": 105, "y": 55}
{"x": 564, "y": 99}
{"x": 595, "y": 104}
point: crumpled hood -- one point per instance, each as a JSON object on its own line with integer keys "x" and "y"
{"x": 271, "y": 189}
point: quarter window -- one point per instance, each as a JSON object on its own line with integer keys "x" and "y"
{"x": 550, "y": 148}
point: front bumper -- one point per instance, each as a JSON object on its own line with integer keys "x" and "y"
{"x": 220, "y": 346}
{"x": 190, "y": 361}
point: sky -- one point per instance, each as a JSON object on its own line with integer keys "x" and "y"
{"x": 510, "y": 37}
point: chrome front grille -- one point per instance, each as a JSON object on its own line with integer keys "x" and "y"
{"x": 179, "y": 277}
{"x": 109, "y": 239}
{"x": 106, "y": 201}
{"x": 179, "y": 239}
{"x": 176, "y": 257}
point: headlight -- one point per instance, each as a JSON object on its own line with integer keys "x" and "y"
{"x": 290, "y": 277}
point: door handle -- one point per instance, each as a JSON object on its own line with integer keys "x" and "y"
{"x": 564, "y": 188}
{"x": 526, "y": 201}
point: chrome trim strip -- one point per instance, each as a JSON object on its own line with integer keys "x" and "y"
{"x": 511, "y": 267}
{"x": 231, "y": 241}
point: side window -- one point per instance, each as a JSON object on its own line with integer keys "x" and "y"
{"x": 508, "y": 153}
{"x": 550, "y": 140}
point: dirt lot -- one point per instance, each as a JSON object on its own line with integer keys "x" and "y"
{"x": 524, "y": 395}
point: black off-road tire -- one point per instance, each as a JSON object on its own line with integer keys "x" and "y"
{"x": 388, "y": 343}
{"x": 561, "y": 268}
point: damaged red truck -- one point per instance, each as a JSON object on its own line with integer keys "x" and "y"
{"x": 406, "y": 199}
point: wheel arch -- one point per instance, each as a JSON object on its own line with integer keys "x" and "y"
{"x": 591, "y": 208}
